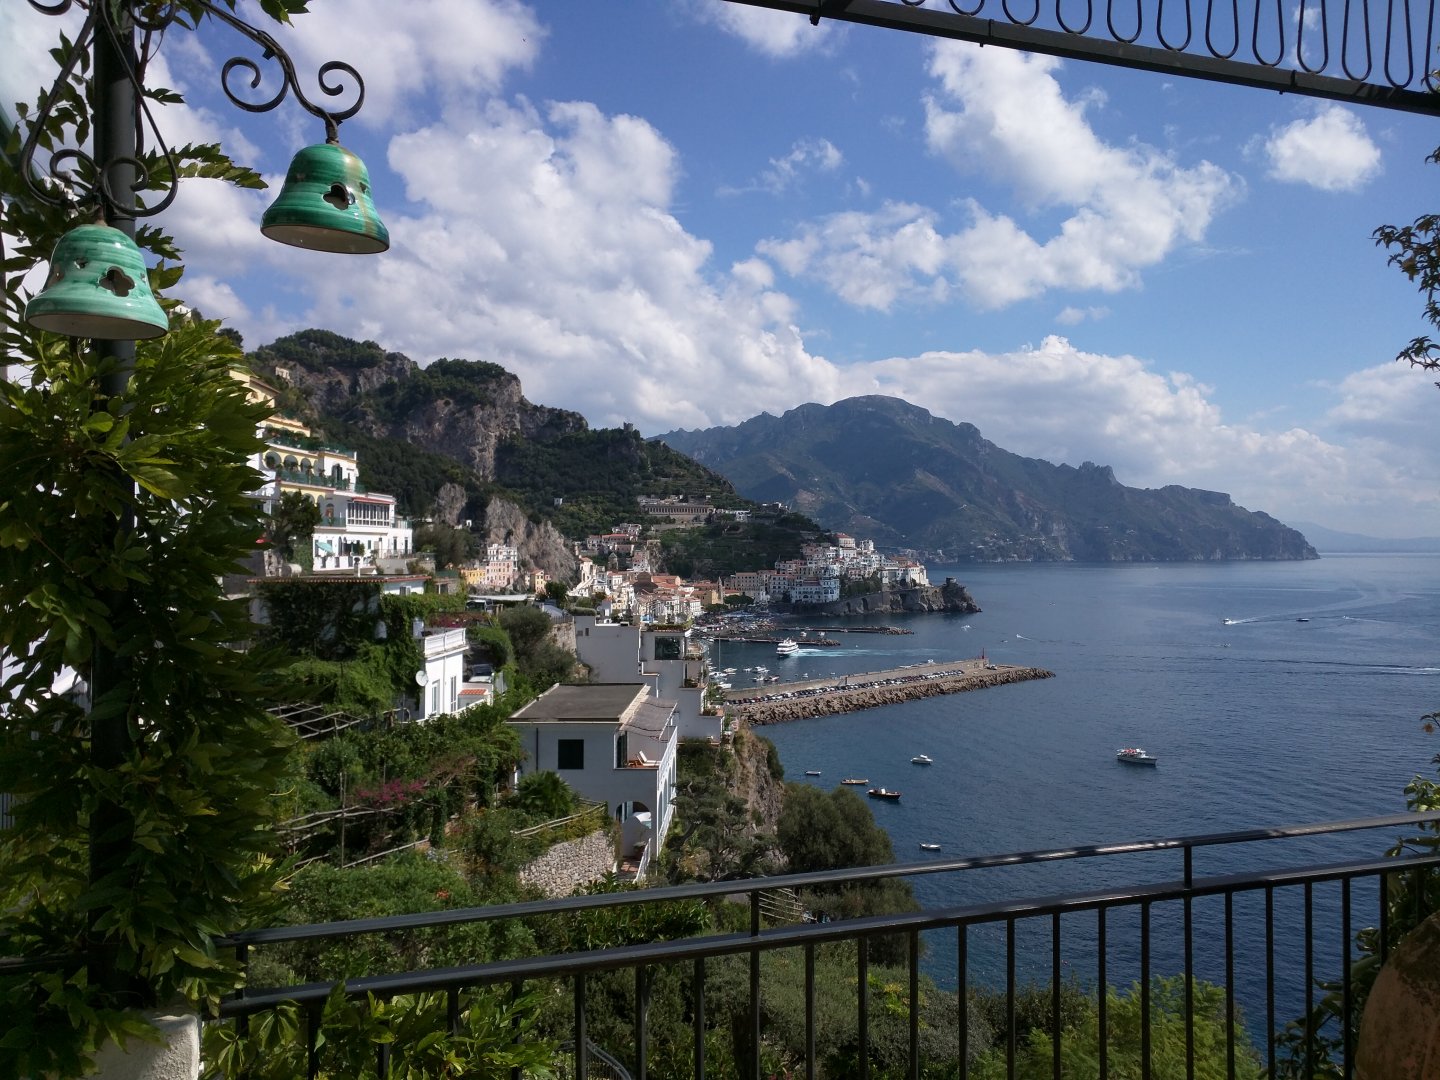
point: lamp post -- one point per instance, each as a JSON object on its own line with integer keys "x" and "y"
{"x": 97, "y": 287}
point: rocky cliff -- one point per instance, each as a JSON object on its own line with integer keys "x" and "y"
{"x": 916, "y": 599}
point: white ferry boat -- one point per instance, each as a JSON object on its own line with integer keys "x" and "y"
{"x": 787, "y": 647}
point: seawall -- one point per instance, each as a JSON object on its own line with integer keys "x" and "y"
{"x": 777, "y": 703}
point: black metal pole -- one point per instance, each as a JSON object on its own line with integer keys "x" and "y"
{"x": 114, "y": 108}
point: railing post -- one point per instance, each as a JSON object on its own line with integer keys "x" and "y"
{"x": 755, "y": 987}
{"x": 914, "y": 943}
{"x": 642, "y": 1007}
{"x": 862, "y": 966}
{"x": 1055, "y": 995}
{"x": 962, "y": 963}
{"x": 582, "y": 1036}
{"x": 1009, "y": 999}
{"x": 809, "y": 1012}
{"x": 698, "y": 993}
{"x": 1103, "y": 990}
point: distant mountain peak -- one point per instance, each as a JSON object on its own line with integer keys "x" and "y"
{"x": 883, "y": 467}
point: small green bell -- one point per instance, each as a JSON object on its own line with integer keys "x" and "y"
{"x": 97, "y": 288}
{"x": 325, "y": 204}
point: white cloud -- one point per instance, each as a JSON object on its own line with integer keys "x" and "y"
{"x": 1003, "y": 113}
{"x": 1331, "y": 151}
{"x": 773, "y": 33}
{"x": 808, "y": 155}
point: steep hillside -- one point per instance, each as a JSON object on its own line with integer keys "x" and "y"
{"x": 883, "y": 468}
{"x": 458, "y": 441}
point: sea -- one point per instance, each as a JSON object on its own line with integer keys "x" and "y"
{"x": 1272, "y": 693}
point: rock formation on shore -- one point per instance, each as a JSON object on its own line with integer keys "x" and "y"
{"x": 951, "y": 596}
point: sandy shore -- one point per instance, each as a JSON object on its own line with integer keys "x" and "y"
{"x": 777, "y": 702}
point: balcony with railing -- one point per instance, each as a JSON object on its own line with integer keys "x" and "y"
{"x": 1239, "y": 951}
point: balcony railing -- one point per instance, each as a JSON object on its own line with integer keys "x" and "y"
{"x": 314, "y": 479}
{"x": 1281, "y": 928}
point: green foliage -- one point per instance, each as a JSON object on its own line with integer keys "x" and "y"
{"x": 820, "y": 830}
{"x": 449, "y": 545}
{"x": 540, "y": 661}
{"x": 495, "y": 1040}
{"x": 190, "y": 803}
{"x": 400, "y": 885}
{"x": 543, "y": 795}
{"x": 1415, "y": 250}
{"x": 292, "y": 525}
{"x": 1410, "y": 897}
{"x": 462, "y": 384}
{"x": 1079, "y": 1040}
{"x": 711, "y": 838}
{"x": 329, "y": 620}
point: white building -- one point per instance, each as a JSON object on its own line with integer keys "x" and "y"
{"x": 662, "y": 659}
{"x": 612, "y": 743}
{"x": 357, "y": 527}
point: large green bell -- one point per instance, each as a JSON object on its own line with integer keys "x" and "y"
{"x": 97, "y": 288}
{"x": 325, "y": 204}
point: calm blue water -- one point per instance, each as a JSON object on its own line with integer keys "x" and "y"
{"x": 1264, "y": 721}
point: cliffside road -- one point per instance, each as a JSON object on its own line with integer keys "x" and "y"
{"x": 778, "y": 702}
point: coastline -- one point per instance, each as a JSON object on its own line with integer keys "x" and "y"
{"x": 778, "y": 703}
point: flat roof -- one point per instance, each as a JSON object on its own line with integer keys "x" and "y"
{"x": 596, "y": 702}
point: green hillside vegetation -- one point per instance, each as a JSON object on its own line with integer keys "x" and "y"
{"x": 581, "y": 480}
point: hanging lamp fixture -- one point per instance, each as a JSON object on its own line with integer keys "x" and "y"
{"x": 98, "y": 284}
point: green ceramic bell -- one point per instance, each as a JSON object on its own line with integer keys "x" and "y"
{"x": 97, "y": 288}
{"x": 325, "y": 204}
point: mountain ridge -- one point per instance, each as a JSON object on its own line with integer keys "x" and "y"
{"x": 882, "y": 467}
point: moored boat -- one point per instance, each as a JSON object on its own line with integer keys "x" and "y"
{"x": 929, "y": 847}
{"x": 922, "y": 759}
{"x": 852, "y": 780}
{"x": 812, "y": 772}
{"x": 882, "y": 793}
{"x": 1134, "y": 755}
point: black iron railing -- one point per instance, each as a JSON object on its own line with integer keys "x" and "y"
{"x": 1257, "y": 934}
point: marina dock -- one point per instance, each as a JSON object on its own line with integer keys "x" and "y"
{"x": 774, "y": 703}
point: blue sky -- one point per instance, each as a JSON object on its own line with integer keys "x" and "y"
{"x": 682, "y": 214}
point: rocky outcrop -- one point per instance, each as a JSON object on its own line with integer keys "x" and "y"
{"x": 916, "y": 599}
{"x": 539, "y": 544}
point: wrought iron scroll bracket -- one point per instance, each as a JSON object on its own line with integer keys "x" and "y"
{"x": 72, "y": 178}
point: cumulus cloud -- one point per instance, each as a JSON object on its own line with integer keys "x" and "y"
{"x": 1331, "y": 151}
{"x": 1003, "y": 113}
{"x": 774, "y": 33}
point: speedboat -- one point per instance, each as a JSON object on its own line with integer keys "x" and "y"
{"x": 853, "y": 781}
{"x": 922, "y": 759}
{"x": 1134, "y": 755}
{"x": 929, "y": 847}
{"x": 812, "y": 772}
{"x": 882, "y": 793}
{"x": 788, "y": 647}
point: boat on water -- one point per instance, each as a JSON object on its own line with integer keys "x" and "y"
{"x": 812, "y": 772}
{"x": 882, "y": 793}
{"x": 929, "y": 847}
{"x": 1134, "y": 755}
{"x": 922, "y": 759}
{"x": 787, "y": 647}
{"x": 854, "y": 781}
{"x": 1302, "y": 620}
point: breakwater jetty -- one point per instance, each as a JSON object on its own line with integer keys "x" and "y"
{"x": 776, "y": 703}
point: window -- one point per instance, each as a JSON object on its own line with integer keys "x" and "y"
{"x": 621, "y": 756}
{"x": 667, "y": 648}
{"x": 570, "y": 754}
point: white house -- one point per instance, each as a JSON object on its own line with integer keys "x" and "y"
{"x": 662, "y": 659}
{"x": 612, "y": 743}
{"x": 440, "y": 681}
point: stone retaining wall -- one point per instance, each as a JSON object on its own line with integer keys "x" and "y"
{"x": 571, "y": 863}
{"x": 868, "y": 697}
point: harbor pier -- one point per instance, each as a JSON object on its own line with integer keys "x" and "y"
{"x": 774, "y": 703}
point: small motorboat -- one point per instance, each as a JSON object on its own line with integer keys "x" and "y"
{"x": 1134, "y": 755}
{"x": 922, "y": 759}
{"x": 929, "y": 847}
{"x": 1302, "y": 620}
{"x": 854, "y": 781}
{"x": 812, "y": 772}
{"x": 883, "y": 793}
